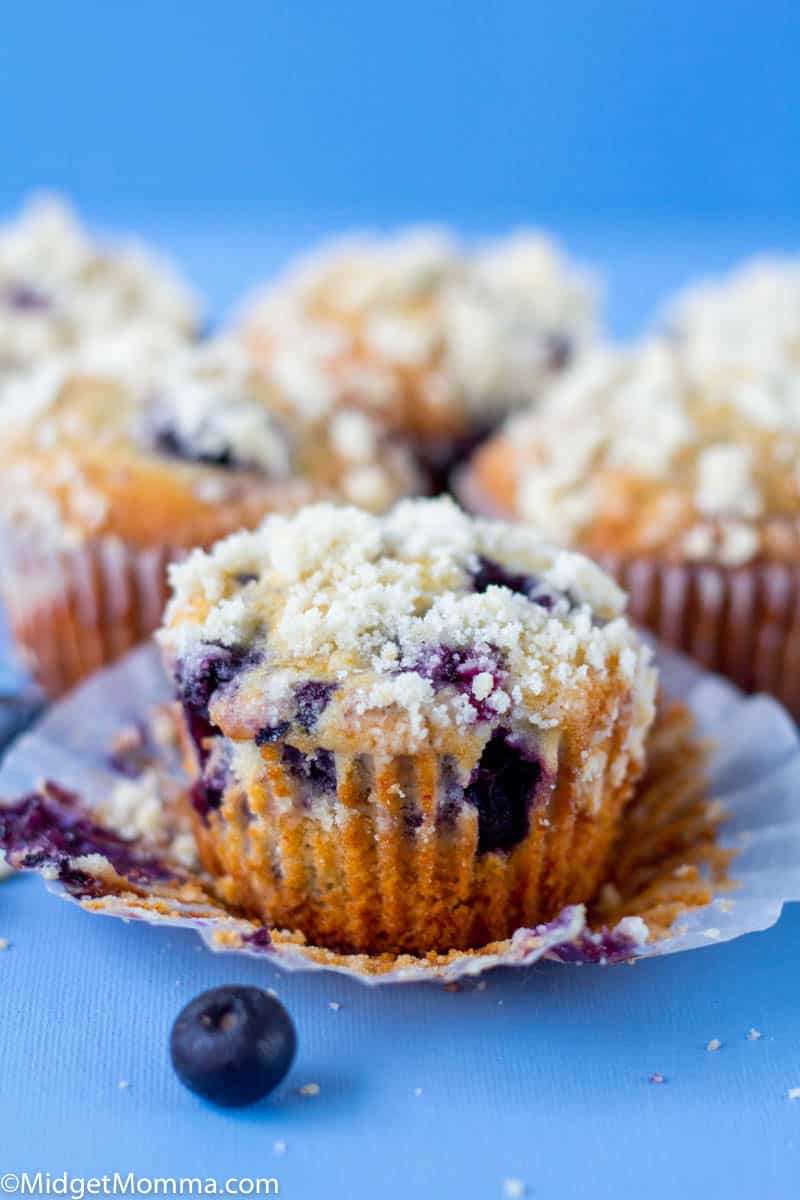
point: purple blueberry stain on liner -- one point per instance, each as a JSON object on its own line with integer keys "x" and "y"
{"x": 50, "y": 829}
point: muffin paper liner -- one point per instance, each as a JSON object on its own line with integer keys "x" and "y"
{"x": 742, "y": 622}
{"x": 74, "y": 611}
{"x": 745, "y": 808}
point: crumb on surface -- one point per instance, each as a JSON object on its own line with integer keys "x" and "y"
{"x": 4, "y": 943}
{"x": 279, "y": 1146}
{"x": 308, "y": 1089}
{"x": 334, "y": 1005}
{"x": 793, "y": 1093}
{"x": 513, "y": 1188}
{"x": 753, "y": 1035}
{"x": 714, "y": 1044}
{"x": 657, "y": 1077}
{"x": 417, "y": 1091}
{"x": 123, "y": 1083}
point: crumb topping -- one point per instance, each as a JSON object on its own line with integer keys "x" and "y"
{"x": 469, "y": 332}
{"x": 60, "y": 289}
{"x": 446, "y": 623}
{"x": 84, "y": 431}
{"x": 637, "y": 451}
{"x": 750, "y": 317}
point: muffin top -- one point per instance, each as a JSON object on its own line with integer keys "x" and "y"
{"x": 422, "y": 629}
{"x": 440, "y": 338}
{"x": 750, "y": 317}
{"x": 635, "y": 453}
{"x": 59, "y": 289}
{"x": 177, "y": 447}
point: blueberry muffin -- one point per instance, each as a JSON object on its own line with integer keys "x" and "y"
{"x": 683, "y": 482}
{"x": 414, "y": 732}
{"x": 60, "y": 289}
{"x": 442, "y": 340}
{"x": 113, "y": 471}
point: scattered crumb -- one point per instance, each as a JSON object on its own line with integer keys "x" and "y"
{"x": 793, "y": 1093}
{"x": 481, "y": 985}
{"x": 334, "y": 1005}
{"x": 657, "y": 1077}
{"x": 513, "y": 1188}
{"x": 714, "y": 1044}
{"x": 417, "y": 1091}
{"x": 711, "y": 934}
{"x": 4, "y": 943}
{"x": 308, "y": 1089}
{"x": 452, "y": 987}
{"x": 123, "y": 1083}
{"x": 753, "y": 1035}
{"x": 271, "y": 992}
{"x": 280, "y": 1146}
{"x": 726, "y": 905}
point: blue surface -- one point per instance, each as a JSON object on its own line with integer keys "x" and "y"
{"x": 543, "y": 1076}
{"x": 454, "y": 108}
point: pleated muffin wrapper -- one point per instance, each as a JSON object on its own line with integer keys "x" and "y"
{"x": 741, "y": 622}
{"x": 74, "y": 609}
{"x": 709, "y": 850}
{"x": 377, "y": 853}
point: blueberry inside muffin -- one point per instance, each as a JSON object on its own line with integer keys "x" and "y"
{"x": 412, "y": 732}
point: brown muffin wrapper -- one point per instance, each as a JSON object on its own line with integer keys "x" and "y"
{"x": 356, "y": 876}
{"x": 73, "y": 611}
{"x": 742, "y": 622}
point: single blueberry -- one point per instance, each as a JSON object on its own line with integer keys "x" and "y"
{"x": 458, "y": 667}
{"x": 232, "y": 1045}
{"x": 318, "y": 768}
{"x": 272, "y": 733}
{"x": 312, "y": 699}
{"x": 209, "y": 669}
{"x": 168, "y": 441}
{"x": 25, "y": 298}
{"x": 502, "y": 788}
{"x": 493, "y": 574}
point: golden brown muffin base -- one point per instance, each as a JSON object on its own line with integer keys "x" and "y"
{"x": 355, "y": 876}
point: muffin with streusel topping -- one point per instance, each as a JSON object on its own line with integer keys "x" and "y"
{"x": 414, "y": 732}
{"x": 442, "y": 340}
{"x": 114, "y": 470}
{"x": 60, "y": 289}
{"x": 682, "y": 480}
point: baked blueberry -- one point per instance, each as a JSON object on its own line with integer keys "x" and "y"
{"x": 502, "y": 788}
{"x": 232, "y": 1045}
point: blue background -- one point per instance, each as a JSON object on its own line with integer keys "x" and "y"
{"x": 360, "y": 110}
{"x": 660, "y": 140}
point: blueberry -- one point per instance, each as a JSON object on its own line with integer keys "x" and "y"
{"x": 502, "y": 788}
{"x": 493, "y": 574}
{"x": 232, "y": 1045}
{"x": 318, "y": 768}
{"x": 168, "y": 441}
{"x": 208, "y": 670}
{"x": 25, "y": 298}
{"x": 312, "y": 699}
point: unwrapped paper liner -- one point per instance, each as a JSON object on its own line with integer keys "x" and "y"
{"x": 753, "y": 774}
